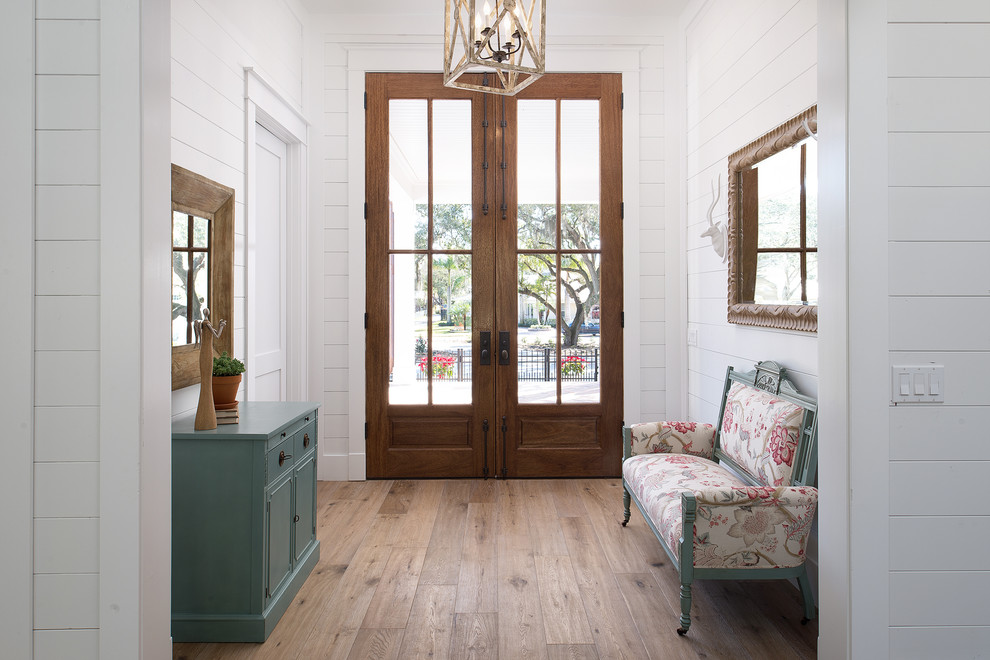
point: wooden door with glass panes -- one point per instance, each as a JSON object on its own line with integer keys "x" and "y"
{"x": 494, "y": 278}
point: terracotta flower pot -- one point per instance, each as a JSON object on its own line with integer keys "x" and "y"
{"x": 225, "y": 390}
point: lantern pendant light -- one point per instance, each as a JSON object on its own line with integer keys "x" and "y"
{"x": 507, "y": 39}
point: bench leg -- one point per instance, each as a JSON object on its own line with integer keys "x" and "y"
{"x": 685, "y": 609}
{"x": 807, "y": 596}
{"x": 625, "y": 503}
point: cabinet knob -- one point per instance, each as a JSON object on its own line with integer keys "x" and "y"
{"x": 296, "y": 519}
{"x": 282, "y": 456}
{"x": 305, "y": 440}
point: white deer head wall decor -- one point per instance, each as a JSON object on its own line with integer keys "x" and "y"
{"x": 717, "y": 231}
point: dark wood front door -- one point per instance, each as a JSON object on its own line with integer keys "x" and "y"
{"x": 494, "y": 278}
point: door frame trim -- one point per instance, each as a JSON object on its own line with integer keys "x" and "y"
{"x": 264, "y": 105}
{"x": 417, "y": 56}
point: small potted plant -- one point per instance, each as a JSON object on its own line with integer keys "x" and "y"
{"x": 226, "y": 379}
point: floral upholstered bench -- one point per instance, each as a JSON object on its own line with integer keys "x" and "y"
{"x": 750, "y": 521}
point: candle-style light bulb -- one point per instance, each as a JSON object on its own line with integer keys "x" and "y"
{"x": 488, "y": 9}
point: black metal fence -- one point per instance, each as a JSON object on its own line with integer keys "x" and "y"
{"x": 534, "y": 364}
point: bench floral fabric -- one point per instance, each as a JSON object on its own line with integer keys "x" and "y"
{"x": 748, "y": 522}
{"x": 760, "y": 433}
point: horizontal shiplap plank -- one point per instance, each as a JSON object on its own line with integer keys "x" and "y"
{"x": 939, "y": 599}
{"x": 939, "y": 324}
{"x": 67, "y": 378}
{"x": 938, "y": 159}
{"x": 939, "y": 269}
{"x": 61, "y": 9}
{"x": 918, "y": 543}
{"x": 938, "y": 104}
{"x": 67, "y": 47}
{"x": 960, "y": 432}
{"x": 67, "y": 157}
{"x": 950, "y": 50}
{"x": 939, "y": 214}
{"x": 66, "y": 434}
{"x": 943, "y": 11}
{"x": 66, "y": 601}
{"x": 67, "y": 545}
{"x": 67, "y": 268}
{"x": 53, "y": 112}
{"x": 80, "y": 644}
{"x": 66, "y": 323}
{"x": 927, "y": 642}
{"x": 964, "y": 480}
{"x": 66, "y": 490}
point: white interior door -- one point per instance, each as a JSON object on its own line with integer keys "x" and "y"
{"x": 268, "y": 297}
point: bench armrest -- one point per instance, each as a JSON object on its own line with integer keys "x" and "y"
{"x": 668, "y": 438}
{"x": 758, "y": 527}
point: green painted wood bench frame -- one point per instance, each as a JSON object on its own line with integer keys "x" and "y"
{"x": 768, "y": 376}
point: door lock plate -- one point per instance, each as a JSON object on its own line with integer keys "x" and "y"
{"x": 503, "y": 347}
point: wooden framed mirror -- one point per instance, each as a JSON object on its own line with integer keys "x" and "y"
{"x": 773, "y": 228}
{"x": 202, "y": 267}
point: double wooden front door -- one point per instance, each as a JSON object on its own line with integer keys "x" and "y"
{"x": 494, "y": 278}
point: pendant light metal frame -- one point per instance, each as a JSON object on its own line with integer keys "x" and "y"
{"x": 464, "y": 47}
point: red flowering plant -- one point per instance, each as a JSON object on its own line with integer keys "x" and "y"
{"x": 443, "y": 366}
{"x": 572, "y": 365}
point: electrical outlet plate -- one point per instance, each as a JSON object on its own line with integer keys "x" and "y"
{"x": 917, "y": 383}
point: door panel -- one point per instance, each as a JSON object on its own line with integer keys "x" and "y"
{"x": 533, "y": 260}
{"x": 267, "y": 364}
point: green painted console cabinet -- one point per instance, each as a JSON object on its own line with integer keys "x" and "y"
{"x": 243, "y": 520}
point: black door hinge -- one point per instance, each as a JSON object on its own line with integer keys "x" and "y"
{"x": 622, "y": 100}
{"x": 366, "y": 210}
{"x": 366, "y": 430}
{"x": 622, "y": 211}
{"x": 366, "y": 320}
{"x": 622, "y": 320}
{"x": 366, "y": 100}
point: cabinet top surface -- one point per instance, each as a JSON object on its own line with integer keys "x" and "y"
{"x": 258, "y": 419}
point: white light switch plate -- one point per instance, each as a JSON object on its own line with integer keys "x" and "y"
{"x": 917, "y": 383}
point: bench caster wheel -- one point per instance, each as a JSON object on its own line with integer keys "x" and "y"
{"x": 681, "y": 632}
{"x": 624, "y": 523}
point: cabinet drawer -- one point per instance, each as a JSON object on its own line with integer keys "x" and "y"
{"x": 305, "y": 440}
{"x": 280, "y": 460}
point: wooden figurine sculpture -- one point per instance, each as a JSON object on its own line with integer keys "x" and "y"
{"x": 206, "y": 415}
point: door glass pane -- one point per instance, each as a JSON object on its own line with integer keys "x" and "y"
{"x": 537, "y": 174}
{"x": 580, "y": 328}
{"x": 778, "y": 278}
{"x": 407, "y": 332}
{"x": 451, "y": 363}
{"x": 780, "y": 200}
{"x": 451, "y": 174}
{"x": 812, "y": 278}
{"x": 180, "y": 319}
{"x": 201, "y": 232}
{"x": 579, "y": 175}
{"x": 811, "y": 192}
{"x": 408, "y": 173}
{"x": 536, "y": 355}
{"x": 180, "y": 229}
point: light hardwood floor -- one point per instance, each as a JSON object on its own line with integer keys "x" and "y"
{"x": 509, "y": 569}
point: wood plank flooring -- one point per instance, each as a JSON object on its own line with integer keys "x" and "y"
{"x": 538, "y": 569}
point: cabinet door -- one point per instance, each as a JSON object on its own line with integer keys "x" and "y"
{"x": 279, "y": 530}
{"x": 305, "y": 520}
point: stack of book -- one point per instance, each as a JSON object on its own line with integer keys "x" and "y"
{"x": 228, "y": 416}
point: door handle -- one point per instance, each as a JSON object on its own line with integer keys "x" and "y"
{"x": 503, "y": 347}
{"x": 486, "y": 348}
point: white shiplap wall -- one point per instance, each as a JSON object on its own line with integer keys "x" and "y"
{"x": 212, "y": 42}
{"x": 67, "y": 337}
{"x": 939, "y": 305}
{"x": 346, "y": 57}
{"x": 749, "y": 67}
